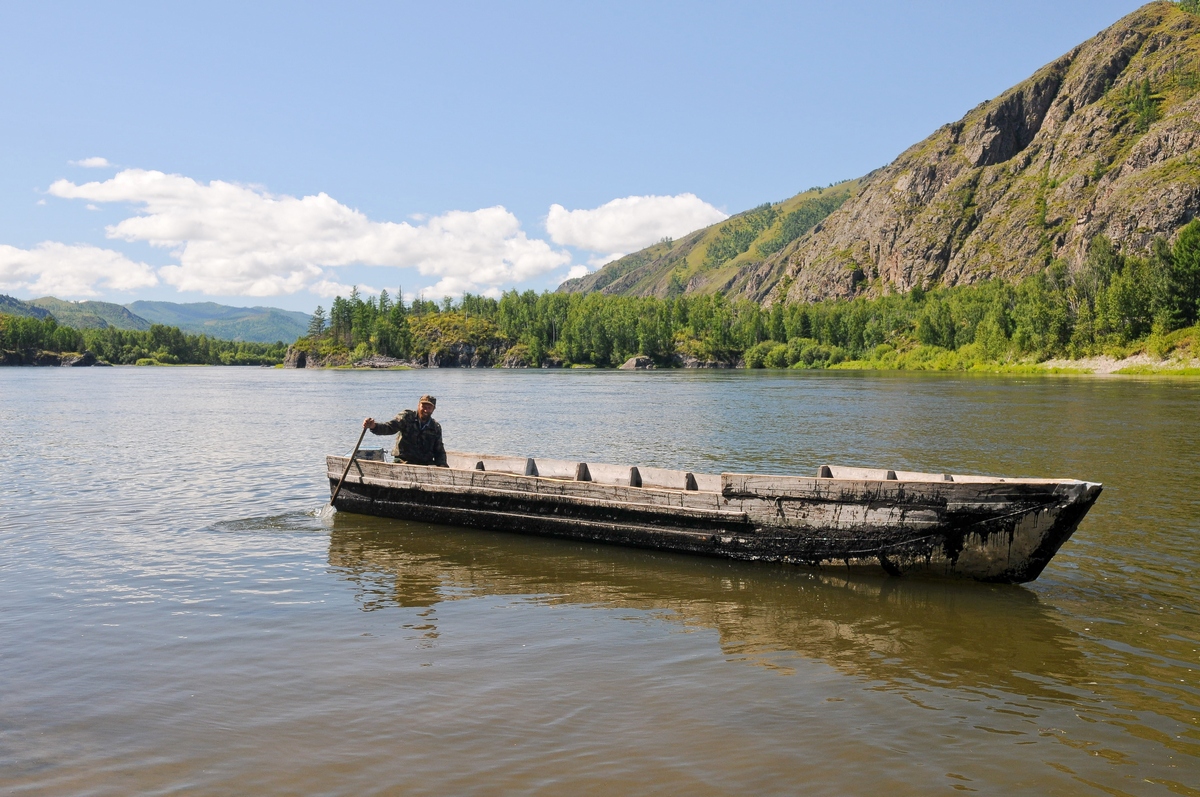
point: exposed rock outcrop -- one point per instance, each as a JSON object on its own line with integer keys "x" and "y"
{"x": 295, "y": 358}
{"x": 687, "y": 361}
{"x": 39, "y": 357}
{"x": 1073, "y": 152}
{"x": 639, "y": 363}
{"x": 1104, "y": 140}
{"x": 84, "y": 360}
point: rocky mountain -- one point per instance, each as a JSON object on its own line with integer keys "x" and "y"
{"x": 252, "y": 324}
{"x": 1105, "y": 140}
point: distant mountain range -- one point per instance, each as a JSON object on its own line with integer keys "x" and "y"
{"x": 252, "y": 324}
{"x": 90, "y": 315}
{"x": 258, "y": 324}
{"x": 1102, "y": 141}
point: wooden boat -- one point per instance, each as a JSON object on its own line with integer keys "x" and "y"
{"x": 898, "y": 522}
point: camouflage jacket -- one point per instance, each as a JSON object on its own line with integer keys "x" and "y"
{"x": 415, "y": 445}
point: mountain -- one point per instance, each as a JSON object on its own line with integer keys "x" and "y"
{"x": 724, "y": 257}
{"x": 252, "y": 324}
{"x": 1105, "y": 140}
{"x": 89, "y": 314}
{"x": 11, "y": 306}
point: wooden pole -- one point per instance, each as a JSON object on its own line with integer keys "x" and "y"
{"x": 338, "y": 489}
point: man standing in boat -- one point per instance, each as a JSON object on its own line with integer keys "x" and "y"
{"x": 418, "y": 435}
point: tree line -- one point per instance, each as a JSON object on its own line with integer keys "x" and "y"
{"x": 159, "y": 345}
{"x": 1114, "y": 301}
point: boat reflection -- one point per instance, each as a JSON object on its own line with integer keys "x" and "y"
{"x": 942, "y": 633}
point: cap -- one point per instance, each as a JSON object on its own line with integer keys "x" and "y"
{"x": 427, "y": 399}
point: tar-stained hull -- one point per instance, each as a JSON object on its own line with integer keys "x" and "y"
{"x": 999, "y": 530}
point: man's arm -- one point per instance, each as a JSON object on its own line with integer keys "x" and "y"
{"x": 387, "y": 427}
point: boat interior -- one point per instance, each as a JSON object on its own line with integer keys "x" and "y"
{"x": 667, "y": 479}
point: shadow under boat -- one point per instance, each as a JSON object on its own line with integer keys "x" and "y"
{"x": 943, "y": 633}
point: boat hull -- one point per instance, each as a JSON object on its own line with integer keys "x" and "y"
{"x": 1003, "y": 531}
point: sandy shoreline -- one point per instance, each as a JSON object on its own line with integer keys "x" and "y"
{"x": 1137, "y": 364}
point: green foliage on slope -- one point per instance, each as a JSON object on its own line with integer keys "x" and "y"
{"x": 721, "y": 257}
{"x": 804, "y": 218}
{"x": 738, "y": 234}
{"x": 91, "y": 314}
{"x": 13, "y": 306}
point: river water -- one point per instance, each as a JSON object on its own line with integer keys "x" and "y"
{"x": 174, "y": 617}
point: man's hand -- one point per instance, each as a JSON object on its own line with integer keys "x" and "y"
{"x": 369, "y": 423}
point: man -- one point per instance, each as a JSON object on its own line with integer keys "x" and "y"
{"x": 418, "y": 435}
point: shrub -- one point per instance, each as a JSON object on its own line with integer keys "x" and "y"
{"x": 756, "y": 356}
{"x": 777, "y": 357}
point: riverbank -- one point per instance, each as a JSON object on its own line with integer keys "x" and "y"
{"x": 84, "y": 359}
{"x": 1139, "y": 364}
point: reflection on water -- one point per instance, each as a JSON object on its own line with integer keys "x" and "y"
{"x": 175, "y": 619}
{"x": 891, "y": 630}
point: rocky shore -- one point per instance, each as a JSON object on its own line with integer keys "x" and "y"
{"x": 37, "y": 357}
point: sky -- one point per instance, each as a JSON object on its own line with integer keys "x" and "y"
{"x": 277, "y": 154}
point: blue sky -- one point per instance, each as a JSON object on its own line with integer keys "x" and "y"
{"x": 443, "y": 135}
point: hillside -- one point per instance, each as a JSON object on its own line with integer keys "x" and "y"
{"x": 89, "y": 314}
{"x": 11, "y": 306}
{"x": 725, "y": 257}
{"x": 249, "y": 324}
{"x": 253, "y": 324}
{"x": 1105, "y": 140}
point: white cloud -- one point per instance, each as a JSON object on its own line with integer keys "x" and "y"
{"x": 596, "y": 261}
{"x": 578, "y": 271}
{"x": 630, "y": 223}
{"x": 233, "y": 239}
{"x": 92, "y": 163}
{"x": 63, "y": 270}
{"x": 328, "y": 289}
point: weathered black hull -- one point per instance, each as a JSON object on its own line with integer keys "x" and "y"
{"x": 1001, "y": 531}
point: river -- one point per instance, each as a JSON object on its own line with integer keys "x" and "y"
{"x": 175, "y": 617}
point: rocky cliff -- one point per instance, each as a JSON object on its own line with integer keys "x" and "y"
{"x": 1103, "y": 141}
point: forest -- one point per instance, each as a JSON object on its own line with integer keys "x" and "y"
{"x": 159, "y": 345}
{"x": 1114, "y": 304}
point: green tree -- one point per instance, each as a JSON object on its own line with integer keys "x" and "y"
{"x": 1183, "y": 277}
{"x": 316, "y": 327}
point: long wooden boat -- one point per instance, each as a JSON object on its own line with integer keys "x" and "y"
{"x": 898, "y": 522}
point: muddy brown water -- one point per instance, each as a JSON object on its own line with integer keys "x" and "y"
{"x": 175, "y": 619}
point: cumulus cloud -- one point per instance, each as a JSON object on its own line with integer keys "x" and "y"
{"x": 233, "y": 239}
{"x": 64, "y": 270}
{"x": 329, "y": 289}
{"x": 596, "y": 261}
{"x": 630, "y": 223}
{"x": 92, "y": 163}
